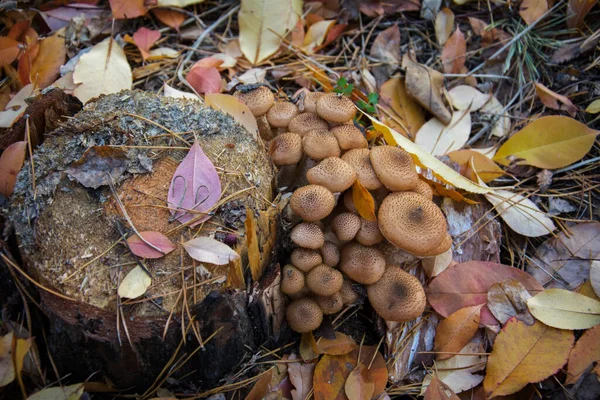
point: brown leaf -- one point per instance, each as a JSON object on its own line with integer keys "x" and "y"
{"x": 508, "y": 299}
{"x": 122, "y": 9}
{"x": 308, "y": 347}
{"x": 342, "y": 344}
{"x": 301, "y": 376}
{"x": 359, "y": 384}
{"x": 169, "y": 17}
{"x": 426, "y": 85}
{"x": 456, "y": 331}
{"x": 396, "y": 101}
{"x": 363, "y": 201}
{"x": 11, "y": 162}
{"x": 444, "y": 22}
{"x": 454, "y": 53}
{"x": 585, "y": 352}
{"x": 532, "y": 10}
{"x": 330, "y": 376}
{"x": 386, "y": 49}
{"x": 554, "y": 100}
{"x": 438, "y": 390}
{"x": 261, "y": 387}
{"x": 488, "y": 35}
{"x": 9, "y": 50}
{"x": 97, "y": 165}
{"x": 577, "y": 11}
{"x": 51, "y": 56}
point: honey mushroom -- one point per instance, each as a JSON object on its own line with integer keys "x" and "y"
{"x": 281, "y": 113}
{"x": 306, "y": 122}
{"x": 292, "y": 280}
{"x": 335, "y": 108}
{"x": 307, "y": 235}
{"x": 349, "y": 295}
{"x": 258, "y": 100}
{"x": 361, "y": 263}
{"x": 349, "y": 137}
{"x": 306, "y": 259}
{"x": 345, "y": 226}
{"x": 312, "y": 202}
{"x": 286, "y": 149}
{"x": 310, "y": 101}
{"x": 360, "y": 160}
{"x": 324, "y": 280}
{"x": 330, "y": 254}
{"x": 320, "y": 144}
{"x": 304, "y": 315}
{"x": 330, "y": 304}
{"x": 332, "y": 173}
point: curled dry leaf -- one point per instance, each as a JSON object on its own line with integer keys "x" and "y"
{"x": 554, "y": 100}
{"x": 473, "y": 164}
{"x": 141, "y": 249}
{"x": 359, "y": 384}
{"x": 508, "y": 299}
{"x": 444, "y": 22}
{"x": 433, "y": 266}
{"x": 301, "y": 376}
{"x": 394, "y": 98}
{"x": 11, "y": 162}
{"x": 135, "y": 283}
{"x": 454, "y": 53}
{"x": 209, "y": 250}
{"x": 456, "y": 331}
{"x": 342, "y": 344}
{"x": 465, "y": 97}
{"x": 497, "y": 116}
{"x": 532, "y": 10}
{"x": 308, "y": 347}
{"x": 316, "y": 34}
{"x": 426, "y": 85}
{"x": 233, "y": 106}
{"x": 439, "y": 139}
{"x": 564, "y": 309}
{"x": 585, "y": 352}
{"x": 438, "y": 390}
{"x": 363, "y": 201}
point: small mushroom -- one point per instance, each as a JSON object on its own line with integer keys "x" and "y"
{"x": 258, "y": 100}
{"x": 397, "y": 296}
{"x": 349, "y": 202}
{"x": 330, "y": 254}
{"x": 349, "y": 137}
{"x": 307, "y": 235}
{"x": 312, "y": 202}
{"x": 304, "y": 315}
{"x": 286, "y": 149}
{"x": 349, "y": 295}
{"x": 306, "y": 122}
{"x": 368, "y": 233}
{"x": 324, "y": 280}
{"x": 330, "y": 304}
{"x": 362, "y": 264}
{"x": 394, "y": 167}
{"x": 282, "y": 113}
{"x": 292, "y": 280}
{"x": 345, "y": 226}
{"x": 359, "y": 159}
{"x": 333, "y": 173}
{"x": 319, "y": 144}
{"x": 305, "y": 259}
{"x": 310, "y": 101}
{"x": 335, "y": 108}
{"x": 423, "y": 189}
{"x": 412, "y": 222}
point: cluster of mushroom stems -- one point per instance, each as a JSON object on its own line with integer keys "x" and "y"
{"x": 338, "y": 250}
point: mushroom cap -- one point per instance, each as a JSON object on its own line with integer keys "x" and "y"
{"x": 411, "y": 222}
{"x": 282, "y": 113}
{"x": 258, "y": 100}
{"x": 324, "y": 280}
{"x": 320, "y": 144}
{"x": 292, "y": 280}
{"x": 333, "y": 173}
{"x": 394, "y": 167}
{"x": 397, "y": 296}
{"x": 361, "y": 162}
{"x": 330, "y": 304}
{"x": 368, "y": 234}
{"x": 307, "y": 235}
{"x": 349, "y": 137}
{"x": 349, "y": 202}
{"x": 345, "y": 226}
{"x": 362, "y": 264}
{"x": 330, "y": 254}
{"x": 335, "y": 108}
{"x": 444, "y": 245}
{"x": 286, "y": 149}
{"x": 349, "y": 295}
{"x": 423, "y": 189}
{"x": 312, "y": 202}
{"x": 304, "y": 315}
{"x": 305, "y": 259}
{"x": 306, "y": 122}
{"x": 310, "y": 101}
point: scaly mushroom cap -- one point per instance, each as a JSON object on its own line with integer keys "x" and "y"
{"x": 312, "y": 202}
{"x": 305, "y": 259}
{"x": 335, "y": 108}
{"x": 330, "y": 254}
{"x": 259, "y": 100}
{"x": 304, "y": 315}
{"x": 349, "y": 295}
{"x": 324, "y": 280}
{"x": 292, "y": 280}
{"x": 330, "y": 304}
{"x": 397, "y": 296}
{"x": 423, "y": 189}
{"x": 306, "y": 122}
{"x": 320, "y": 144}
{"x": 369, "y": 233}
{"x": 310, "y": 101}
{"x": 361, "y": 162}
{"x": 282, "y": 113}
{"x": 286, "y": 149}
{"x": 349, "y": 137}
{"x": 412, "y": 222}
{"x": 307, "y": 235}
{"x": 345, "y": 226}
{"x": 444, "y": 245}
{"x": 394, "y": 167}
{"x": 362, "y": 264}
{"x": 333, "y": 173}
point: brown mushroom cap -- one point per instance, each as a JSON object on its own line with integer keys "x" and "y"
{"x": 304, "y": 315}
{"x": 333, "y": 173}
{"x": 349, "y": 295}
{"x": 349, "y": 202}
{"x": 368, "y": 233}
{"x": 397, "y": 296}
{"x": 312, "y": 202}
{"x": 324, "y": 280}
{"x": 412, "y": 222}
{"x": 345, "y": 226}
{"x": 362, "y": 264}
{"x": 307, "y": 235}
{"x": 394, "y": 167}
{"x": 320, "y": 144}
{"x": 305, "y": 259}
{"x": 359, "y": 159}
{"x": 292, "y": 280}
{"x": 306, "y": 122}
{"x": 310, "y": 101}
{"x": 423, "y": 189}
{"x": 286, "y": 149}
{"x": 335, "y": 108}
{"x": 330, "y": 304}
{"x": 349, "y": 137}
{"x": 259, "y": 100}
{"x": 444, "y": 245}
{"x": 330, "y": 254}
{"x": 282, "y": 113}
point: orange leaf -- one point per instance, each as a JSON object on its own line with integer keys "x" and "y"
{"x": 308, "y": 347}
{"x": 438, "y": 390}
{"x": 169, "y": 17}
{"x": 577, "y": 11}
{"x": 144, "y": 39}
{"x": 363, "y": 201}
{"x": 525, "y": 354}
{"x": 26, "y": 62}
{"x": 208, "y": 62}
{"x": 456, "y": 331}
{"x": 552, "y": 100}
{"x": 9, "y": 50}
{"x": 532, "y": 10}
{"x": 330, "y": 376}
{"x": 342, "y": 344}
{"x": 454, "y": 53}
{"x": 123, "y": 9}
{"x": 585, "y": 352}
{"x": 51, "y": 56}
{"x": 395, "y": 99}
{"x": 22, "y": 29}
{"x": 261, "y": 387}
{"x": 469, "y": 159}
{"x": 11, "y": 162}
{"x": 359, "y": 384}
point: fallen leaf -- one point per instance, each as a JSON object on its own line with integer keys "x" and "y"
{"x": 204, "y": 80}
{"x": 342, "y": 344}
{"x": 315, "y": 36}
{"x": 426, "y": 85}
{"x": 308, "y": 347}
{"x": 177, "y": 3}
{"x": 595, "y": 276}
{"x": 585, "y": 352}
{"x": 233, "y": 106}
{"x": 438, "y": 390}
{"x": 32, "y": 48}
{"x": 141, "y": 249}
{"x": 169, "y": 91}
{"x": 98, "y": 165}
{"x": 484, "y": 167}
{"x": 195, "y": 188}
{"x": 439, "y": 139}
{"x": 9, "y": 50}
{"x": 488, "y": 34}
{"x": 135, "y": 283}
{"x": 144, "y": 39}
{"x": 454, "y": 53}
{"x": 508, "y": 299}
{"x": 532, "y": 10}
{"x": 262, "y": 386}
{"x": 11, "y": 162}
{"x": 525, "y": 354}
{"x": 577, "y": 10}
{"x": 103, "y": 70}
{"x": 444, "y": 22}
{"x": 593, "y": 107}
{"x": 465, "y": 97}
{"x": 433, "y": 266}
{"x": 497, "y": 116}
{"x": 162, "y": 53}
{"x": 15, "y": 107}
{"x": 363, "y": 201}
{"x": 262, "y": 24}
{"x": 171, "y": 18}
{"x": 122, "y": 9}
{"x": 466, "y": 284}
{"x": 330, "y": 376}
{"x": 586, "y": 289}
{"x": 71, "y": 392}
{"x": 209, "y": 250}
{"x": 456, "y": 331}
{"x": 385, "y": 48}
{"x": 359, "y": 384}
{"x": 554, "y": 100}
{"x": 7, "y": 369}
{"x": 394, "y": 97}
{"x": 564, "y": 309}
{"x": 301, "y": 376}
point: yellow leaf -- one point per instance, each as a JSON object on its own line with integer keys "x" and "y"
{"x": 46, "y": 66}
{"x": 7, "y": 369}
{"x": 548, "y": 142}
{"x": 456, "y": 331}
{"x": 585, "y": 352}
{"x": 484, "y": 167}
{"x": 439, "y": 139}
{"x": 71, "y": 392}
{"x": 363, "y": 201}
{"x": 565, "y": 309}
{"x": 262, "y": 25}
{"x": 135, "y": 283}
{"x": 233, "y": 106}
{"x": 593, "y": 107}
{"x": 525, "y": 354}
{"x": 308, "y": 347}
{"x": 316, "y": 35}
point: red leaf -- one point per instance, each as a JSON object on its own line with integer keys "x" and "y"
{"x": 467, "y": 284}
{"x": 169, "y": 17}
{"x": 204, "y": 80}
{"x": 122, "y": 9}
{"x": 144, "y": 39}
{"x": 141, "y": 249}
{"x": 11, "y": 162}
{"x": 208, "y": 62}
{"x": 453, "y": 55}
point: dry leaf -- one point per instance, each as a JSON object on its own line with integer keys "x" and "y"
{"x": 308, "y": 347}
{"x": 342, "y": 344}
{"x": 386, "y": 49}
{"x": 439, "y": 139}
{"x": 252, "y": 245}
{"x": 71, "y": 392}
{"x": 564, "y": 309}
{"x": 359, "y": 384}
{"x": 262, "y": 386}
{"x": 169, "y": 91}
{"x": 162, "y": 53}
{"x": 169, "y": 17}
{"x": 438, "y": 390}
{"x": 426, "y": 85}
{"x": 456, "y": 331}
{"x": 465, "y": 97}
{"x": 473, "y": 164}
{"x": 9, "y": 50}
{"x": 209, "y": 250}
{"x": 555, "y": 100}
{"x": 233, "y": 106}
{"x": 135, "y": 283}
{"x": 454, "y": 53}
{"x": 127, "y": 8}
{"x": 444, "y": 22}
{"x": 330, "y": 376}
{"x": 144, "y": 39}
{"x": 11, "y": 162}
{"x": 595, "y": 276}
{"x": 497, "y": 116}
{"x": 15, "y": 107}
{"x": 394, "y": 97}
{"x": 177, "y": 3}
{"x": 157, "y": 239}
{"x": 532, "y": 10}
{"x": 585, "y": 352}
{"x": 7, "y": 369}
{"x": 51, "y": 56}
{"x": 508, "y": 299}
{"x": 204, "y": 80}
{"x": 433, "y": 266}
{"x": 98, "y": 165}
{"x": 363, "y": 201}
{"x": 577, "y": 11}
{"x": 301, "y": 376}
{"x": 593, "y": 107}
{"x": 315, "y": 36}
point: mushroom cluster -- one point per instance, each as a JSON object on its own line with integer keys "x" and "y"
{"x": 338, "y": 250}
